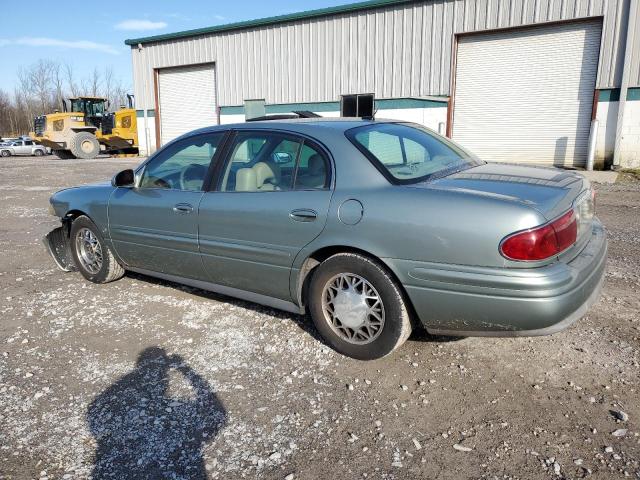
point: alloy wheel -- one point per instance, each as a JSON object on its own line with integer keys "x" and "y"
{"x": 89, "y": 250}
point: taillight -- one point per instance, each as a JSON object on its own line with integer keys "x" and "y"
{"x": 542, "y": 242}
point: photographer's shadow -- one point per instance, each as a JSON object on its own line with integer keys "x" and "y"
{"x": 142, "y": 433}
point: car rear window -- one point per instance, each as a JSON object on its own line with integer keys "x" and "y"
{"x": 409, "y": 153}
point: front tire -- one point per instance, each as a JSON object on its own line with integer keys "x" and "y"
{"x": 92, "y": 256}
{"x": 84, "y": 145}
{"x": 38, "y": 153}
{"x": 358, "y": 307}
{"x": 5, "y": 153}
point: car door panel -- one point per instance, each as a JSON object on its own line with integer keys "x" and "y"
{"x": 249, "y": 233}
{"x": 147, "y": 231}
{"x": 19, "y": 148}
{"x": 154, "y": 226}
{"x": 249, "y": 240}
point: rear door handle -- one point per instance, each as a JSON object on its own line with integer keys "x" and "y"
{"x": 183, "y": 208}
{"x": 304, "y": 215}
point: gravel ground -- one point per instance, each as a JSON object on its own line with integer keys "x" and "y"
{"x": 147, "y": 379}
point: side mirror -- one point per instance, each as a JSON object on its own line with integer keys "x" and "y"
{"x": 125, "y": 178}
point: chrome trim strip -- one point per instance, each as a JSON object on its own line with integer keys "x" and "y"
{"x": 224, "y": 290}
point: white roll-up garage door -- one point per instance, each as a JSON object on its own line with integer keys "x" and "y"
{"x": 526, "y": 95}
{"x": 186, "y": 100}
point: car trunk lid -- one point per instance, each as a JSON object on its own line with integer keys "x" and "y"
{"x": 550, "y": 191}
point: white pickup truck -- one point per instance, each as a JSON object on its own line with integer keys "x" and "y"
{"x": 22, "y": 147}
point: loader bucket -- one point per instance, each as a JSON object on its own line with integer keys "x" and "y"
{"x": 57, "y": 243}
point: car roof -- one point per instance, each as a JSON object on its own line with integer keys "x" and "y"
{"x": 302, "y": 125}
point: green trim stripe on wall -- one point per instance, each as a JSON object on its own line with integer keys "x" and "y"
{"x": 633, "y": 94}
{"x": 312, "y": 107}
{"x": 383, "y": 104}
{"x": 613, "y": 94}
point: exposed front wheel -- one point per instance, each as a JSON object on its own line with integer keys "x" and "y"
{"x": 5, "y": 153}
{"x": 38, "y": 153}
{"x": 93, "y": 258}
{"x": 84, "y": 145}
{"x": 358, "y": 307}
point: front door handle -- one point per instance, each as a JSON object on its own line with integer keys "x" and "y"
{"x": 183, "y": 208}
{"x": 304, "y": 215}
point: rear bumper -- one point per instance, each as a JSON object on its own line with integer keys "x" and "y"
{"x": 476, "y": 301}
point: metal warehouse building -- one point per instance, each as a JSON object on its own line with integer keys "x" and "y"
{"x": 512, "y": 80}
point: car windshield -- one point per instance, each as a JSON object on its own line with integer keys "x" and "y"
{"x": 409, "y": 153}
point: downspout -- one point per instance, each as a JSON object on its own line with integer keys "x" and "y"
{"x": 144, "y": 100}
{"x": 626, "y": 72}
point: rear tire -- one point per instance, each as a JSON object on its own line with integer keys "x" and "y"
{"x": 92, "y": 256}
{"x": 375, "y": 318}
{"x": 84, "y": 145}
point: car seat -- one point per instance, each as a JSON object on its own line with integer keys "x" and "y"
{"x": 315, "y": 176}
{"x": 262, "y": 177}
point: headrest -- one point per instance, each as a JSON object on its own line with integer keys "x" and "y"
{"x": 264, "y": 172}
{"x": 246, "y": 180}
{"x": 316, "y": 164}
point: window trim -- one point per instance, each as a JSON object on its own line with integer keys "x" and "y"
{"x": 216, "y": 182}
{"x": 351, "y": 136}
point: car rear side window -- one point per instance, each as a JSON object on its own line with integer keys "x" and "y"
{"x": 273, "y": 162}
{"x": 408, "y": 153}
{"x": 313, "y": 169}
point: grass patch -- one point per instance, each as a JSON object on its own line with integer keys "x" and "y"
{"x": 628, "y": 175}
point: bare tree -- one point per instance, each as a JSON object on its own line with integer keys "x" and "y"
{"x": 42, "y": 87}
{"x": 72, "y": 85}
{"x": 36, "y": 82}
{"x": 113, "y": 90}
{"x": 58, "y": 85}
{"x": 108, "y": 82}
{"x": 6, "y": 113}
{"x": 92, "y": 86}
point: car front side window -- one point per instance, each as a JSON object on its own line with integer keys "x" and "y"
{"x": 182, "y": 165}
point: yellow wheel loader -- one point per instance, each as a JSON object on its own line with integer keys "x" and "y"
{"x": 88, "y": 129}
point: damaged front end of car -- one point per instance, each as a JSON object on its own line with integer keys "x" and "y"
{"x": 58, "y": 245}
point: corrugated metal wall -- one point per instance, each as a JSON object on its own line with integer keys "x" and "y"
{"x": 634, "y": 77}
{"x": 398, "y": 51}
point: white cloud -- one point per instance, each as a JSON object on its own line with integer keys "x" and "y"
{"x": 139, "y": 25}
{"x": 54, "y": 42}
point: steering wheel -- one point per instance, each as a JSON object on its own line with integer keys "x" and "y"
{"x": 192, "y": 176}
{"x": 153, "y": 182}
